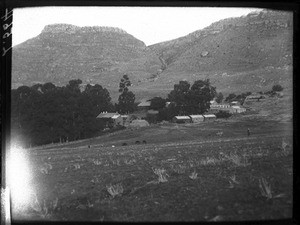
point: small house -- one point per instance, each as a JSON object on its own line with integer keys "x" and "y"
{"x": 209, "y": 117}
{"x": 196, "y": 118}
{"x": 110, "y": 119}
{"x": 181, "y": 119}
{"x": 235, "y": 103}
{"x": 238, "y": 109}
{"x": 144, "y": 105}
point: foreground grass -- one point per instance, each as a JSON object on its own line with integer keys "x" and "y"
{"x": 216, "y": 179}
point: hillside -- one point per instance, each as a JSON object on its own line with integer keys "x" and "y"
{"x": 94, "y": 54}
{"x": 249, "y": 53}
{"x": 246, "y": 53}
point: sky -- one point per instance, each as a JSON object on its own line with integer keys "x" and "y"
{"x": 149, "y": 24}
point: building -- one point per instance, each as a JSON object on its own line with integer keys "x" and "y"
{"x": 196, "y": 118}
{"x": 233, "y": 107}
{"x": 238, "y": 109}
{"x": 234, "y": 103}
{"x": 181, "y": 119}
{"x": 144, "y": 105}
{"x": 110, "y": 119}
{"x": 209, "y": 117}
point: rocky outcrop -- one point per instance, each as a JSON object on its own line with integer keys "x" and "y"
{"x": 71, "y": 29}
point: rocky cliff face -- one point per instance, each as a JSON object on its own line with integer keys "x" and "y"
{"x": 248, "y": 53}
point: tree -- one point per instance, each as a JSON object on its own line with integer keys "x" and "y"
{"x": 277, "y": 88}
{"x": 126, "y": 98}
{"x": 219, "y": 97}
{"x": 47, "y": 87}
{"x": 74, "y": 85}
{"x": 43, "y": 114}
{"x": 223, "y": 114}
{"x": 192, "y": 100}
{"x": 230, "y": 97}
{"x": 200, "y": 96}
{"x": 179, "y": 96}
{"x": 167, "y": 113}
{"x": 157, "y": 103}
{"x": 124, "y": 84}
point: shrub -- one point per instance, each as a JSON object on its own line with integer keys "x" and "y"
{"x": 277, "y": 87}
{"x": 223, "y": 114}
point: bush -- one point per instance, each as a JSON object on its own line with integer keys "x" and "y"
{"x": 277, "y": 87}
{"x": 223, "y": 114}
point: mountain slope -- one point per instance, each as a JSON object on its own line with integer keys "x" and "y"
{"x": 93, "y": 54}
{"x": 249, "y": 53}
{"x": 235, "y": 52}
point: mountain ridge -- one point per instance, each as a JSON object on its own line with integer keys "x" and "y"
{"x": 229, "y": 52}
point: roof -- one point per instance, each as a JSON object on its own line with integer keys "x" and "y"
{"x": 152, "y": 111}
{"x": 108, "y": 115}
{"x": 196, "y": 116}
{"x": 182, "y": 117}
{"x": 144, "y": 104}
{"x": 254, "y": 96}
{"x": 209, "y": 116}
{"x": 236, "y": 107}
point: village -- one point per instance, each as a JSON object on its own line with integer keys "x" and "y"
{"x": 144, "y": 116}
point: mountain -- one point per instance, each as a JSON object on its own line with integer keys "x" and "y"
{"x": 93, "y": 54}
{"x": 245, "y": 53}
{"x": 249, "y": 53}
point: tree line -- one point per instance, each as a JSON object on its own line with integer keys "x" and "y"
{"x": 45, "y": 113}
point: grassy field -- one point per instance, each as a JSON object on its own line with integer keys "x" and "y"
{"x": 193, "y": 172}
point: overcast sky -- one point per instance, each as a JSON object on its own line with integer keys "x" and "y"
{"x": 149, "y": 24}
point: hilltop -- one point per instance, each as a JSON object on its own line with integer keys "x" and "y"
{"x": 249, "y": 53}
{"x": 94, "y": 54}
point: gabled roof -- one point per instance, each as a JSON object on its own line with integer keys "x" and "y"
{"x": 151, "y": 111}
{"x": 236, "y": 107}
{"x": 253, "y": 96}
{"x": 209, "y": 116}
{"x": 182, "y": 117}
{"x": 196, "y": 116}
{"x": 108, "y": 115}
{"x": 144, "y": 104}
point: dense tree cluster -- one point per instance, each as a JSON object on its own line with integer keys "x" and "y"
{"x": 193, "y": 99}
{"x": 45, "y": 113}
{"x": 157, "y": 103}
{"x": 186, "y": 99}
{"x": 240, "y": 98}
